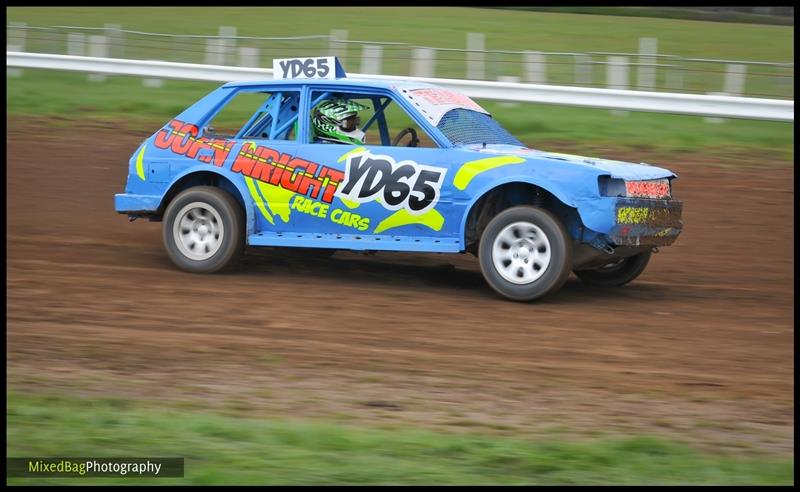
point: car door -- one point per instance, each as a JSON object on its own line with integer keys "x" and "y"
{"x": 264, "y": 150}
{"x": 377, "y": 188}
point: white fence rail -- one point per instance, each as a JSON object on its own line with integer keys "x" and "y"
{"x": 665, "y": 102}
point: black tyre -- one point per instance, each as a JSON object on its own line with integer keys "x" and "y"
{"x": 525, "y": 253}
{"x": 204, "y": 230}
{"x": 617, "y": 273}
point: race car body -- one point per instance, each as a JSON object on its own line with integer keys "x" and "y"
{"x": 424, "y": 169}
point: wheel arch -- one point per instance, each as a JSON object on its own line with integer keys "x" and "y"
{"x": 208, "y": 177}
{"x": 500, "y": 195}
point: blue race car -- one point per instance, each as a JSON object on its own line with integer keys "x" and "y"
{"x": 316, "y": 165}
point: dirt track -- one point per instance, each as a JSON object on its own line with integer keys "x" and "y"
{"x": 700, "y": 348}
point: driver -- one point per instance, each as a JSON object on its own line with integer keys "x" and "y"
{"x": 336, "y": 121}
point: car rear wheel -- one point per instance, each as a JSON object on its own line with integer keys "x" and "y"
{"x": 617, "y": 273}
{"x": 525, "y": 253}
{"x": 204, "y": 230}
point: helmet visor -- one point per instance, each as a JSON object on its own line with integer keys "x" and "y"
{"x": 350, "y": 123}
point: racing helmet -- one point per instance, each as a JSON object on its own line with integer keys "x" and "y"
{"x": 336, "y": 120}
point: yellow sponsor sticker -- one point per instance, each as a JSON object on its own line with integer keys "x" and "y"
{"x": 632, "y": 215}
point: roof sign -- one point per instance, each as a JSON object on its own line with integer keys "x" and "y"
{"x": 327, "y": 67}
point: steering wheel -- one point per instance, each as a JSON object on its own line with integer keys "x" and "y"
{"x": 414, "y": 140}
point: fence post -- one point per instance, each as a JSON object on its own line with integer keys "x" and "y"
{"x": 617, "y": 76}
{"x": 734, "y": 78}
{"x": 153, "y": 83}
{"x": 227, "y": 43}
{"x": 52, "y": 40}
{"x": 98, "y": 47}
{"x": 214, "y": 51}
{"x": 248, "y": 57}
{"x": 116, "y": 40}
{"x": 336, "y": 47}
{"x": 583, "y": 69}
{"x": 734, "y": 85}
{"x": 535, "y": 68}
{"x": 76, "y": 44}
{"x": 648, "y": 47}
{"x": 15, "y": 41}
{"x": 476, "y": 58}
{"x": 674, "y": 76}
{"x": 422, "y": 62}
{"x": 507, "y": 78}
{"x": 371, "y": 59}
{"x": 714, "y": 119}
{"x": 13, "y": 71}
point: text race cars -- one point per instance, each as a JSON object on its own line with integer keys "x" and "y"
{"x": 319, "y": 160}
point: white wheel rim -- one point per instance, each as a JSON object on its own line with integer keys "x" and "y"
{"x": 521, "y": 253}
{"x": 198, "y": 231}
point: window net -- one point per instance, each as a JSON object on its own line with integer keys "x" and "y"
{"x": 465, "y": 127}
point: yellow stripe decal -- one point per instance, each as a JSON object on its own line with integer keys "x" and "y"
{"x": 277, "y": 199}
{"x": 432, "y": 218}
{"x": 257, "y": 199}
{"x": 350, "y": 204}
{"x": 469, "y": 170}
{"x": 348, "y": 154}
{"x": 140, "y": 163}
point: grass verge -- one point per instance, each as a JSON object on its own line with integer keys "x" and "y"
{"x": 226, "y": 450}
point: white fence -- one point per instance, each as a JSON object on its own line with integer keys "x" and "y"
{"x": 665, "y": 102}
{"x": 646, "y": 69}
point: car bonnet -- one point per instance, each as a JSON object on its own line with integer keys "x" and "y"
{"x": 617, "y": 169}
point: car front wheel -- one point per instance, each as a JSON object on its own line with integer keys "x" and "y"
{"x": 204, "y": 230}
{"x": 617, "y": 273}
{"x": 525, "y": 253}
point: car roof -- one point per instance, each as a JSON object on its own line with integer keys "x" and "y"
{"x": 354, "y": 82}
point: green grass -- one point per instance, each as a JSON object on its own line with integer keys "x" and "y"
{"x": 226, "y": 450}
{"x": 69, "y": 95}
{"x": 441, "y": 27}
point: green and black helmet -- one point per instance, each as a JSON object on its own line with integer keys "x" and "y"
{"x": 337, "y": 120}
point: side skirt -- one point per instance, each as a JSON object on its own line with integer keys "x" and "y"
{"x": 358, "y": 242}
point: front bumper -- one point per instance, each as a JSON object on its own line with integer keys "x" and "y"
{"x": 646, "y": 222}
